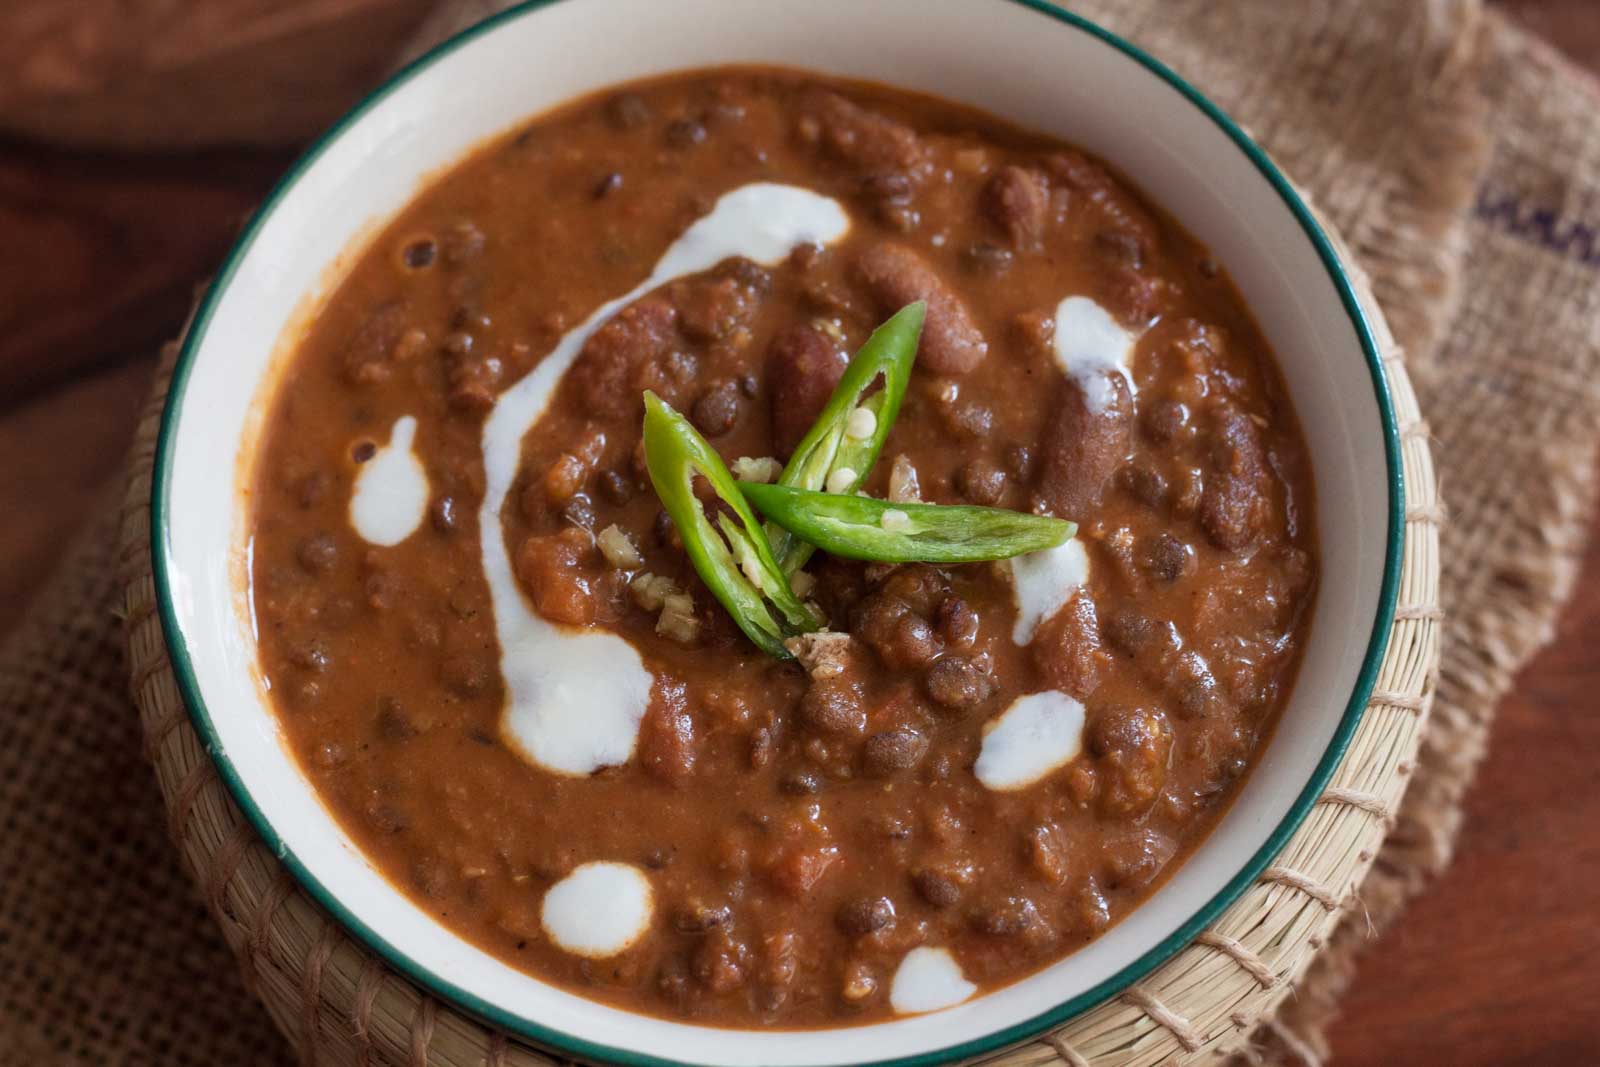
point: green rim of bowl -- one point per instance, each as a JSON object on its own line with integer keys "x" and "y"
{"x": 541, "y": 1034}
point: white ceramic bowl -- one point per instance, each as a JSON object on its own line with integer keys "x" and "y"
{"x": 1019, "y": 59}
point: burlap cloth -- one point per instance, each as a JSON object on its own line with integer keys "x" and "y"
{"x": 1461, "y": 161}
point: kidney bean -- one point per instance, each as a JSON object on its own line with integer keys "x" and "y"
{"x": 1018, "y": 201}
{"x": 1234, "y": 506}
{"x": 1132, "y": 746}
{"x": 668, "y": 744}
{"x": 1082, "y": 450}
{"x": 803, "y": 365}
{"x": 870, "y": 143}
{"x": 604, "y": 371}
{"x": 896, "y": 276}
{"x": 1067, "y": 649}
{"x": 718, "y": 408}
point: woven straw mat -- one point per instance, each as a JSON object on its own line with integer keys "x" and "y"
{"x": 1453, "y": 153}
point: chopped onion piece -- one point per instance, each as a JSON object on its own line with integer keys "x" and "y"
{"x": 759, "y": 469}
{"x": 617, "y": 547}
{"x": 678, "y": 620}
{"x": 650, "y": 591}
{"x": 802, "y": 584}
{"x": 904, "y": 486}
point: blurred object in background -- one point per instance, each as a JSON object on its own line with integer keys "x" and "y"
{"x": 1571, "y": 25}
{"x": 166, "y": 74}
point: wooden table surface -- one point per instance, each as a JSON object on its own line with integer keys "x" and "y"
{"x": 1497, "y": 963}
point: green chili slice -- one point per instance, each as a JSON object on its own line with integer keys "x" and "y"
{"x": 740, "y": 572}
{"x": 859, "y": 527}
{"x": 828, "y": 447}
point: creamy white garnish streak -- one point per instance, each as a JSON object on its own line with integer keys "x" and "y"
{"x": 574, "y": 699}
{"x": 391, "y": 490}
{"x": 598, "y": 910}
{"x": 1035, "y": 735}
{"x": 926, "y": 980}
{"x": 1089, "y": 345}
{"x": 1042, "y": 583}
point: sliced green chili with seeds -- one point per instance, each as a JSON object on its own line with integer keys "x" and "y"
{"x": 859, "y": 527}
{"x": 829, "y": 452}
{"x": 741, "y": 571}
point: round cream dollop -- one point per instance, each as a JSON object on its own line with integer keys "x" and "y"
{"x": 928, "y": 979}
{"x": 1035, "y": 735}
{"x": 598, "y": 910}
{"x": 391, "y": 490}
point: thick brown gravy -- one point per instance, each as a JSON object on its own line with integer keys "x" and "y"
{"x": 799, "y": 837}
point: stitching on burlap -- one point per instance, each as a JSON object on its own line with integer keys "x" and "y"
{"x": 1068, "y": 1054}
{"x": 1540, "y": 226}
{"x": 367, "y": 986}
{"x": 1355, "y": 798}
{"x": 422, "y": 1030}
{"x": 1305, "y": 883}
{"x": 1171, "y": 1021}
{"x": 1421, "y": 612}
{"x": 311, "y": 991}
{"x": 224, "y": 865}
{"x": 183, "y": 798}
{"x": 1242, "y": 954}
